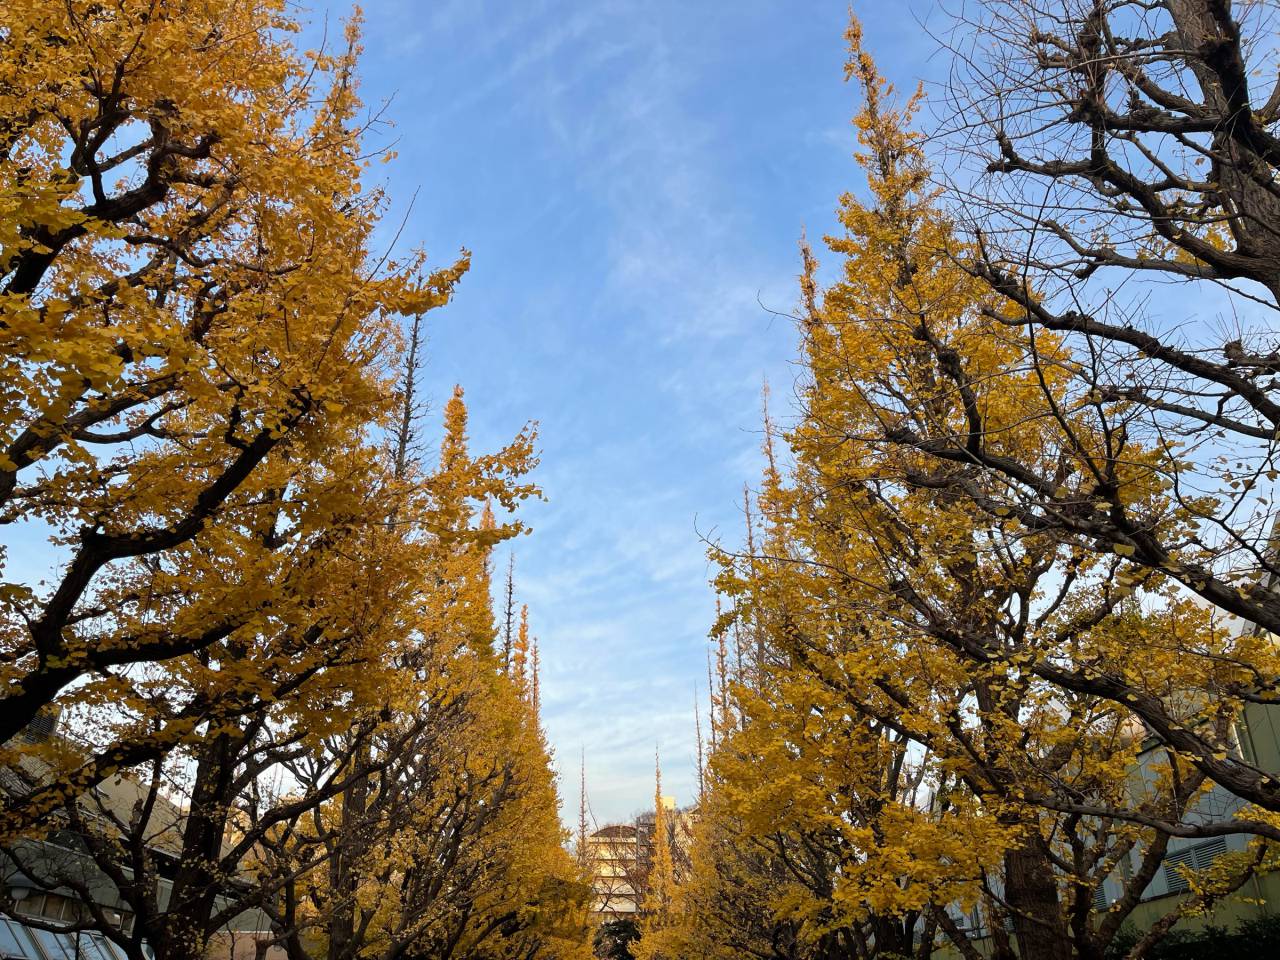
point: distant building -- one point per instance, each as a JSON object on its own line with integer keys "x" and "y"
{"x": 621, "y": 857}
{"x": 44, "y": 880}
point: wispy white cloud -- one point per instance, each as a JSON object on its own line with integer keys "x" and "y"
{"x": 633, "y": 175}
{"x": 624, "y": 603}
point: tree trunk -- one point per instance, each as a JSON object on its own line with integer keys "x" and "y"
{"x": 1253, "y": 204}
{"x": 343, "y": 873}
{"x": 892, "y": 937}
{"x": 183, "y": 924}
{"x": 1032, "y": 896}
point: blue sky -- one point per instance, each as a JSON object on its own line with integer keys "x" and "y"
{"x": 632, "y": 177}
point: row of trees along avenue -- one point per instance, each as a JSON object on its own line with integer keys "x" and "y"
{"x": 1005, "y": 606}
{"x": 1008, "y": 586}
{"x": 269, "y": 622}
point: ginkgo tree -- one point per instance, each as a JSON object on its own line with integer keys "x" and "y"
{"x": 197, "y": 341}
{"x": 1117, "y": 194}
{"x": 1128, "y": 153}
{"x": 268, "y": 621}
{"x": 909, "y": 620}
{"x": 939, "y": 389}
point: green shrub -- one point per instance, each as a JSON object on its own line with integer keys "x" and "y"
{"x": 1251, "y": 940}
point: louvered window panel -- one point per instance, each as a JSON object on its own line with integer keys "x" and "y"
{"x": 1198, "y": 857}
{"x": 1100, "y": 902}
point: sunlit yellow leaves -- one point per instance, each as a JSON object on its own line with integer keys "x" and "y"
{"x": 942, "y": 676}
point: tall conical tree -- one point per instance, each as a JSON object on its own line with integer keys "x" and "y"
{"x": 926, "y": 711}
{"x": 535, "y": 687}
{"x": 697, "y": 733}
{"x": 520, "y": 652}
{"x": 711, "y": 705}
{"x": 662, "y": 878}
{"x": 509, "y": 613}
{"x": 583, "y": 851}
{"x": 660, "y": 921}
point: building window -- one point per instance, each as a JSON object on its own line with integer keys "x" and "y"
{"x": 14, "y": 942}
{"x": 1198, "y": 857}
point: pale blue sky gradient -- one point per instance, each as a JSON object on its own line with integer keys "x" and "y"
{"x": 633, "y": 178}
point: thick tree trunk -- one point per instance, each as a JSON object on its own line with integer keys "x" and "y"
{"x": 183, "y": 924}
{"x": 924, "y": 949}
{"x": 893, "y": 937}
{"x": 343, "y": 872}
{"x": 1032, "y": 895}
{"x": 1216, "y": 58}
